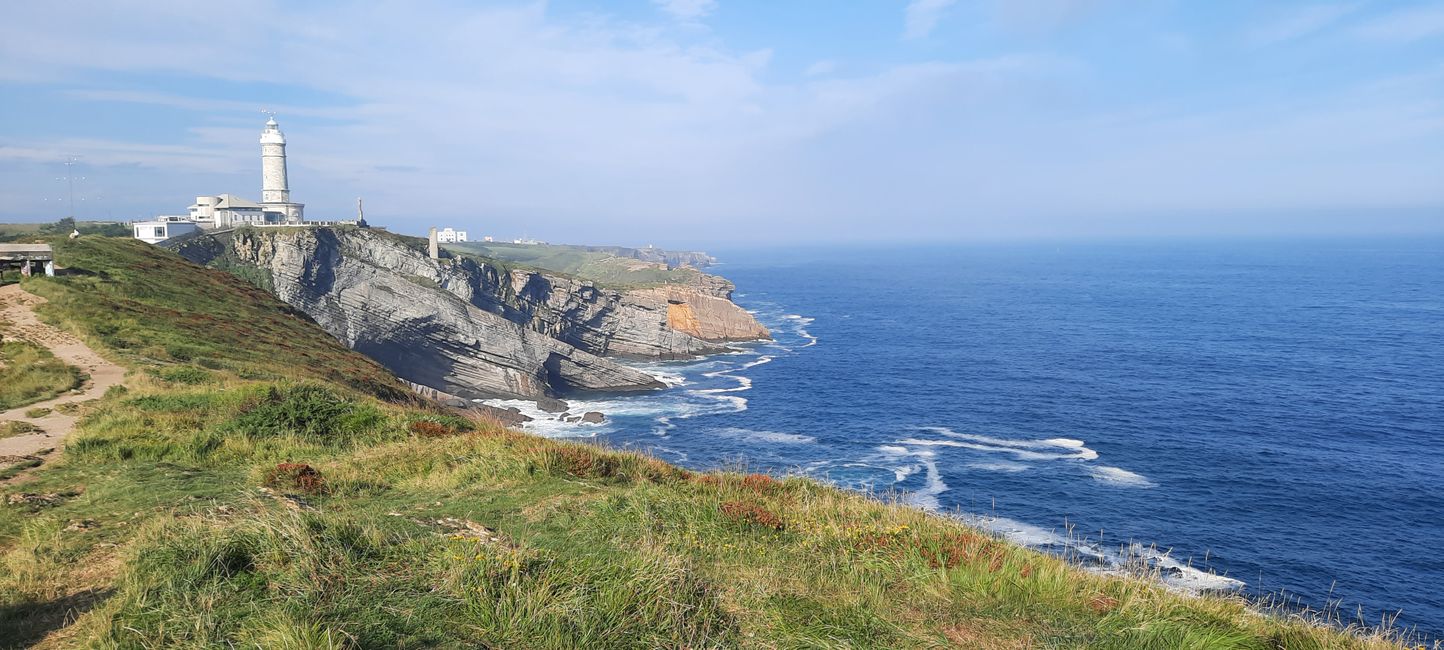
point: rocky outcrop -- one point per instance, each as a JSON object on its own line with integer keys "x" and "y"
{"x": 471, "y": 328}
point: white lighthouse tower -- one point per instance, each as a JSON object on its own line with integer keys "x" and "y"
{"x": 275, "y": 191}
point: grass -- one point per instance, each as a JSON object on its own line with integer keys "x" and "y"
{"x": 602, "y": 268}
{"x": 17, "y": 428}
{"x": 276, "y": 504}
{"x": 30, "y": 373}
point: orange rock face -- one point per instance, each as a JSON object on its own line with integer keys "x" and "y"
{"x": 707, "y": 317}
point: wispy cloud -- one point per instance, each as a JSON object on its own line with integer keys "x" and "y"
{"x": 687, "y": 10}
{"x": 597, "y": 127}
{"x": 922, "y": 16}
{"x": 1297, "y": 22}
{"x": 1406, "y": 25}
{"x": 1043, "y": 16}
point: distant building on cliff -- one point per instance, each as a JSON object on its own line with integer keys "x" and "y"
{"x": 449, "y": 236}
{"x": 160, "y": 229}
{"x": 230, "y": 211}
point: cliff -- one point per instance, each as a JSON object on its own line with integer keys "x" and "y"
{"x": 473, "y": 327}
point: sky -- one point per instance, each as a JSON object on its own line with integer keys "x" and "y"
{"x": 696, "y": 122}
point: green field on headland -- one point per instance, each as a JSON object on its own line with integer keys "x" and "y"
{"x": 256, "y": 484}
{"x": 604, "y": 268}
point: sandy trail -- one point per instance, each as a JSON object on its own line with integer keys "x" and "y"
{"x": 16, "y": 307}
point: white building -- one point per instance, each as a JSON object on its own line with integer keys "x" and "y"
{"x": 162, "y": 228}
{"x": 449, "y": 236}
{"x": 229, "y": 210}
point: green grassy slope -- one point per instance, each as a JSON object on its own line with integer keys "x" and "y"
{"x": 181, "y": 515}
{"x": 603, "y": 268}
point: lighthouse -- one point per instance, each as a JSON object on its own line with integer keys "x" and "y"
{"x": 275, "y": 191}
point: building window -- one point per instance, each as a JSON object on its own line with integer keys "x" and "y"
{"x": 160, "y": 231}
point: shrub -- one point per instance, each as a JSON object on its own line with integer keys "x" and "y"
{"x": 436, "y": 426}
{"x": 752, "y": 514}
{"x": 761, "y": 483}
{"x": 184, "y": 375}
{"x": 296, "y": 476}
{"x": 586, "y": 463}
{"x": 37, "y": 413}
{"x": 309, "y": 411}
{"x": 429, "y": 429}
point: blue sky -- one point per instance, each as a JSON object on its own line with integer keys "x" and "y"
{"x": 688, "y": 122}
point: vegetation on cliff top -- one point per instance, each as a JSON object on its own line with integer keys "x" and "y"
{"x": 257, "y": 485}
{"x": 605, "y": 269}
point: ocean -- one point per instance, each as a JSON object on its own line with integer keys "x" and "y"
{"x": 1259, "y": 415}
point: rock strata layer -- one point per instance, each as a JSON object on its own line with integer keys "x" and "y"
{"x": 472, "y": 328}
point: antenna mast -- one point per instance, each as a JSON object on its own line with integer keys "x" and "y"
{"x": 70, "y": 162}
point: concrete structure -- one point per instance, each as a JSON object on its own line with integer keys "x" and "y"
{"x": 431, "y": 247}
{"x": 27, "y": 257}
{"x": 449, "y": 236}
{"x": 163, "y": 228}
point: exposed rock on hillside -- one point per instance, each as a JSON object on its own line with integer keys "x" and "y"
{"x": 473, "y": 328}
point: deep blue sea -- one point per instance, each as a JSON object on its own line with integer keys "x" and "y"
{"x": 1270, "y": 411}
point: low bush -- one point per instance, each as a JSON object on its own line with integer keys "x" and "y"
{"x": 184, "y": 375}
{"x": 296, "y": 476}
{"x": 752, "y": 514}
{"x": 584, "y": 462}
{"x": 437, "y": 425}
{"x": 308, "y": 411}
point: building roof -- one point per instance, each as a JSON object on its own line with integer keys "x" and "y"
{"x": 163, "y": 222}
{"x": 16, "y": 252}
{"x": 231, "y": 201}
{"x": 25, "y": 248}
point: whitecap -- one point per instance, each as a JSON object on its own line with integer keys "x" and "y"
{"x": 1063, "y": 443}
{"x": 1001, "y": 466}
{"x": 777, "y": 437}
{"x": 927, "y": 498}
{"x": 1119, "y": 476}
{"x": 1080, "y": 453}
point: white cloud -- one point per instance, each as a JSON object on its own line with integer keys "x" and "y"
{"x": 922, "y": 16}
{"x": 687, "y": 10}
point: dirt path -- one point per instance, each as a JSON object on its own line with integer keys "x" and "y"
{"x": 16, "y": 307}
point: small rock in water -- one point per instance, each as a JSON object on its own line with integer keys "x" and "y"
{"x": 594, "y": 417}
{"x": 551, "y": 405}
